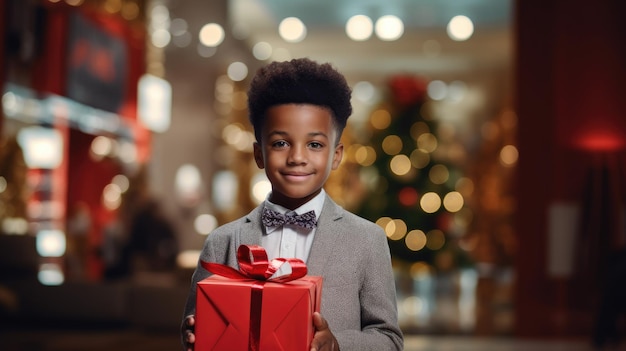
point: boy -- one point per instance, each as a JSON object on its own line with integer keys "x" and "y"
{"x": 298, "y": 110}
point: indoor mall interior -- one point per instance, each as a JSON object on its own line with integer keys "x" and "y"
{"x": 486, "y": 139}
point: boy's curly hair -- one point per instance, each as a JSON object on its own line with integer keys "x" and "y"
{"x": 299, "y": 81}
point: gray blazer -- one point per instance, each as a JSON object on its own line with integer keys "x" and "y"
{"x": 350, "y": 253}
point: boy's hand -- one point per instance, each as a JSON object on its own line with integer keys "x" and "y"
{"x": 323, "y": 340}
{"x": 188, "y": 333}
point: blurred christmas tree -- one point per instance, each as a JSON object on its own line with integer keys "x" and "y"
{"x": 412, "y": 179}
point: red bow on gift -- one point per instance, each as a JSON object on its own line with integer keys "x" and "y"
{"x": 254, "y": 264}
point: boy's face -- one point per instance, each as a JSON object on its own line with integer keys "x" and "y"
{"x": 298, "y": 149}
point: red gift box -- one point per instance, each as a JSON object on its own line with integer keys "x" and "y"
{"x": 249, "y": 310}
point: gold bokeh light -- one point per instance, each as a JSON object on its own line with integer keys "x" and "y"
{"x": 415, "y": 240}
{"x": 396, "y": 229}
{"x": 383, "y": 221}
{"x": 453, "y": 201}
{"x": 427, "y": 142}
{"x": 419, "y": 158}
{"x": 365, "y": 155}
{"x": 439, "y": 174}
{"x": 400, "y": 165}
{"x": 392, "y": 145}
{"x": 508, "y": 155}
{"x": 430, "y": 202}
{"x": 381, "y": 119}
{"x": 419, "y": 128}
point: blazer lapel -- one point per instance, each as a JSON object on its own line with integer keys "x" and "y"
{"x": 251, "y": 231}
{"x": 325, "y": 236}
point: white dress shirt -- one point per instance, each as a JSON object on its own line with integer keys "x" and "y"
{"x": 289, "y": 241}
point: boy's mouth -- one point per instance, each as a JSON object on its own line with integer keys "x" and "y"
{"x": 296, "y": 176}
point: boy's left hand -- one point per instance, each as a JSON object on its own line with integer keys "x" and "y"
{"x": 323, "y": 340}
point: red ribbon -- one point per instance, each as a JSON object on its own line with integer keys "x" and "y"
{"x": 254, "y": 264}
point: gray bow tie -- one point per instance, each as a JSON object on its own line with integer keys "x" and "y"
{"x": 275, "y": 219}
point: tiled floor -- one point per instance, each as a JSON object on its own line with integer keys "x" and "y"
{"x": 88, "y": 340}
{"x": 443, "y": 343}
{"x": 134, "y": 340}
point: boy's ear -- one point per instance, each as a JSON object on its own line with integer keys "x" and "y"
{"x": 258, "y": 155}
{"x": 337, "y": 156}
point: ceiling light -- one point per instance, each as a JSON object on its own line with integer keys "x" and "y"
{"x": 237, "y": 71}
{"x": 159, "y": 15}
{"x": 211, "y": 35}
{"x": 160, "y": 38}
{"x": 437, "y": 90}
{"x": 460, "y": 28}
{"x": 364, "y": 91}
{"x": 359, "y": 28}
{"x": 389, "y": 28}
{"x": 178, "y": 26}
{"x": 262, "y": 50}
{"x": 292, "y": 29}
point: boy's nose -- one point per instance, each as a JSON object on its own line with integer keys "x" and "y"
{"x": 297, "y": 155}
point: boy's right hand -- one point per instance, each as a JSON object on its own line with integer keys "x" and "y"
{"x": 188, "y": 332}
{"x": 323, "y": 340}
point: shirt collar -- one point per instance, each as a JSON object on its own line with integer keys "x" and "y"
{"x": 315, "y": 204}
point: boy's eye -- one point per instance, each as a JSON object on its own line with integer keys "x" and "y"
{"x": 316, "y": 145}
{"x": 279, "y": 143}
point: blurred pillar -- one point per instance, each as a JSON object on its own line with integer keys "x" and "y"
{"x": 3, "y": 29}
{"x": 601, "y": 232}
{"x": 47, "y": 76}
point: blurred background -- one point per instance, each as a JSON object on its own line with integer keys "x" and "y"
{"x": 487, "y": 140}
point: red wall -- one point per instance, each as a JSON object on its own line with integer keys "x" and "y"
{"x": 570, "y": 76}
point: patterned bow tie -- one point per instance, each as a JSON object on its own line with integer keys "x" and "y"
{"x": 275, "y": 219}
